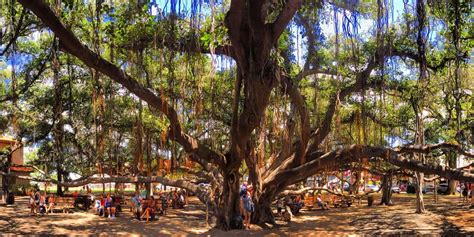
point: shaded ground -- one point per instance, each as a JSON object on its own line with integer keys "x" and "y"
{"x": 448, "y": 217}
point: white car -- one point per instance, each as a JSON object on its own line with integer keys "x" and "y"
{"x": 395, "y": 189}
{"x": 371, "y": 187}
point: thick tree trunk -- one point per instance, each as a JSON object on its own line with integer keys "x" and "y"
{"x": 451, "y": 157}
{"x": 420, "y": 205}
{"x": 5, "y": 179}
{"x": 263, "y": 212}
{"x": 386, "y": 190}
{"x": 229, "y": 202}
{"x": 59, "y": 190}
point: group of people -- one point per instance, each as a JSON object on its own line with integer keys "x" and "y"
{"x": 41, "y": 203}
{"x": 178, "y": 198}
{"x": 106, "y": 206}
{"x": 148, "y": 208}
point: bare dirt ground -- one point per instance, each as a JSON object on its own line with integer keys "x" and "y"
{"x": 448, "y": 217}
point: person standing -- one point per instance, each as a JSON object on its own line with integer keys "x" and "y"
{"x": 243, "y": 186}
{"x": 464, "y": 192}
{"x": 247, "y": 207}
{"x": 32, "y": 202}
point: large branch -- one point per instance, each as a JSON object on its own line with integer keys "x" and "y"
{"x": 285, "y": 16}
{"x": 233, "y": 22}
{"x": 432, "y": 147}
{"x": 305, "y": 190}
{"x": 356, "y": 153}
{"x": 361, "y": 79}
{"x": 286, "y": 158}
{"x": 73, "y": 46}
{"x": 118, "y": 179}
{"x": 406, "y": 53}
{"x": 313, "y": 71}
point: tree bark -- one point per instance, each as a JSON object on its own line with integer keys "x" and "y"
{"x": 451, "y": 157}
{"x": 59, "y": 190}
{"x": 229, "y": 201}
{"x": 386, "y": 190}
{"x": 420, "y": 205}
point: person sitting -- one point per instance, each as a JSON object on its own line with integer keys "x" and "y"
{"x": 180, "y": 200}
{"x": 51, "y": 203}
{"x": 109, "y": 205}
{"x": 324, "y": 205}
{"x": 101, "y": 209}
{"x": 164, "y": 203}
{"x": 174, "y": 199}
{"x": 42, "y": 203}
{"x": 135, "y": 203}
{"x": 280, "y": 206}
{"x": 97, "y": 204}
{"x": 149, "y": 209}
{"x": 298, "y": 204}
{"x": 117, "y": 202}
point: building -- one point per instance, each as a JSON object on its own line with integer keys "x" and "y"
{"x": 17, "y": 167}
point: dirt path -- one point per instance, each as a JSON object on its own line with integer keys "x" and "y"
{"x": 449, "y": 216}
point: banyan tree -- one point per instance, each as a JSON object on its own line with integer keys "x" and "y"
{"x": 254, "y": 89}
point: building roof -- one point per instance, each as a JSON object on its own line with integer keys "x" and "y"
{"x": 7, "y": 140}
{"x": 21, "y": 168}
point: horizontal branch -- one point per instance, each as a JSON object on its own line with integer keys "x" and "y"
{"x": 432, "y": 147}
{"x": 314, "y": 71}
{"x": 305, "y": 190}
{"x": 434, "y": 67}
{"x": 201, "y": 193}
{"x": 356, "y": 153}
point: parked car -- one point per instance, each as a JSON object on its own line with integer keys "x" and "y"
{"x": 428, "y": 188}
{"x": 443, "y": 188}
{"x": 395, "y": 189}
{"x": 371, "y": 187}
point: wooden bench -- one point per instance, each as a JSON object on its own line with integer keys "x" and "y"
{"x": 343, "y": 201}
{"x": 64, "y": 203}
{"x": 309, "y": 201}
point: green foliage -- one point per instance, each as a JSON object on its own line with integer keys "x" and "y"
{"x": 66, "y": 118}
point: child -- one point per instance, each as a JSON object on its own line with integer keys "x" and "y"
{"x": 101, "y": 208}
{"x": 32, "y": 203}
